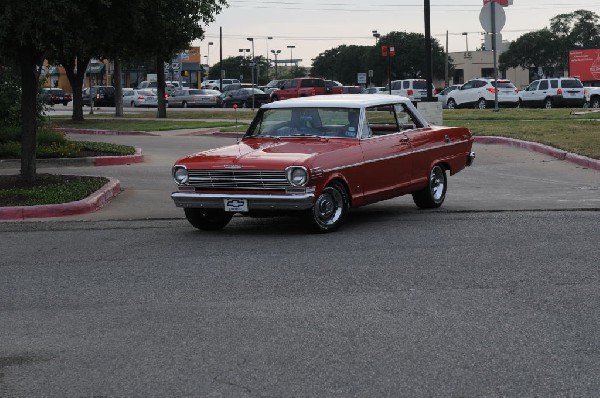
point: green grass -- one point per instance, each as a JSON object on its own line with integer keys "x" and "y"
{"x": 557, "y": 127}
{"x": 48, "y": 189}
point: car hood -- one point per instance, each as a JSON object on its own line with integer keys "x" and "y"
{"x": 268, "y": 154}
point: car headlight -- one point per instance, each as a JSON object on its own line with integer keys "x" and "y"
{"x": 297, "y": 175}
{"x": 180, "y": 174}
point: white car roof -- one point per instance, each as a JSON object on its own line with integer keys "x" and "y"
{"x": 339, "y": 101}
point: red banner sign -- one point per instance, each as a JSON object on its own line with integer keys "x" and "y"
{"x": 503, "y": 3}
{"x": 585, "y": 64}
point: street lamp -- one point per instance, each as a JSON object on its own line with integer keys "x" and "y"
{"x": 251, "y": 39}
{"x": 275, "y": 54}
{"x": 268, "y": 63}
{"x": 466, "y": 35}
{"x": 291, "y": 56}
{"x": 376, "y": 36}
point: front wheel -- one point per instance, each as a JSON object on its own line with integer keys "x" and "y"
{"x": 184, "y": 104}
{"x": 433, "y": 195}
{"x": 595, "y": 102}
{"x": 207, "y": 219}
{"x": 329, "y": 209}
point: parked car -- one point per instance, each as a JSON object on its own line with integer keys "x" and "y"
{"x": 480, "y": 93}
{"x": 320, "y": 156}
{"x": 140, "y": 98}
{"x": 153, "y": 85}
{"x": 333, "y": 87}
{"x": 374, "y": 90}
{"x": 301, "y": 87}
{"x": 273, "y": 85}
{"x": 193, "y": 97}
{"x": 552, "y": 93}
{"x": 52, "y": 96}
{"x": 207, "y": 83}
{"x": 592, "y": 96}
{"x": 443, "y": 95}
{"x": 351, "y": 89}
{"x": 413, "y": 89}
{"x": 102, "y": 95}
{"x": 216, "y": 85}
{"x": 246, "y": 98}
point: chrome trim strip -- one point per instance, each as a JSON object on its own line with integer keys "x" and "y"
{"x": 394, "y": 156}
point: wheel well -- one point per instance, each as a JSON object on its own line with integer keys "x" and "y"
{"x": 345, "y": 185}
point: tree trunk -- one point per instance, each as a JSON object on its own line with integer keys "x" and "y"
{"x": 160, "y": 79}
{"x": 29, "y": 59}
{"x": 118, "y": 88}
{"x": 76, "y": 80}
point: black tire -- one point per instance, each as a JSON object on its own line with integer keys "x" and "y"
{"x": 548, "y": 103}
{"x": 595, "y": 102}
{"x": 207, "y": 219}
{"x": 481, "y": 104}
{"x": 274, "y": 98}
{"x": 330, "y": 209}
{"x": 184, "y": 104}
{"x": 451, "y": 104}
{"x": 433, "y": 195}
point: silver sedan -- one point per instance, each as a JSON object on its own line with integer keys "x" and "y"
{"x": 193, "y": 97}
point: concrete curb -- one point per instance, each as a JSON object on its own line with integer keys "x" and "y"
{"x": 559, "y": 154}
{"x": 88, "y": 205}
{"x": 138, "y": 157}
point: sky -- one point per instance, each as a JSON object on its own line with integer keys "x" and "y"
{"x": 314, "y": 26}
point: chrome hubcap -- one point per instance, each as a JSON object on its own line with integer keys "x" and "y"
{"x": 436, "y": 183}
{"x": 328, "y": 208}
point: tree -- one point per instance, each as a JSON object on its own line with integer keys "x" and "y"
{"x": 240, "y": 67}
{"x": 25, "y": 30}
{"x": 534, "y": 49}
{"x": 345, "y": 62}
{"x": 549, "y": 47}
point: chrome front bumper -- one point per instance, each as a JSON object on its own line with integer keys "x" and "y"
{"x": 255, "y": 201}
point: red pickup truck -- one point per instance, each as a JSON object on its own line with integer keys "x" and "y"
{"x": 302, "y": 87}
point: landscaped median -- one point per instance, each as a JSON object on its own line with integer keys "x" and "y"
{"x": 93, "y": 197}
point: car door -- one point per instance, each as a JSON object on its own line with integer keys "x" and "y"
{"x": 386, "y": 151}
{"x": 528, "y": 95}
{"x": 288, "y": 88}
{"x": 461, "y": 95}
{"x": 541, "y": 93}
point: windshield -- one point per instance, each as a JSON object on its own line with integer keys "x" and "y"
{"x": 302, "y": 122}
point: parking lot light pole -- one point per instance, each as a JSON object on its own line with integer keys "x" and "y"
{"x": 276, "y": 53}
{"x": 251, "y": 39}
{"x": 268, "y": 63}
{"x": 291, "y": 54}
{"x": 376, "y": 36}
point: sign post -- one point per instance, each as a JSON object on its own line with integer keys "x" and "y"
{"x": 493, "y": 18}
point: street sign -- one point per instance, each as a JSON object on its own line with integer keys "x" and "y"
{"x": 184, "y": 55}
{"x": 361, "y": 78}
{"x": 485, "y": 17}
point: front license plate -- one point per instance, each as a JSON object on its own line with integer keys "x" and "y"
{"x": 236, "y": 205}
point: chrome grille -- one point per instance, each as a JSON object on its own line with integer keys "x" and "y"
{"x": 238, "y": 179}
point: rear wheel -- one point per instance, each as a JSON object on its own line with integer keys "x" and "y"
{"x": 548, "y": 103}
{"x": 207, "y": 219}
{"x": 481, "y": 104}
{"x": 451, "y": 104}
{"x": 184, "y": 104}
{"x": 330, "y": 208}
{"x": 433, "y": 195}
{"x": 595, "y": 102}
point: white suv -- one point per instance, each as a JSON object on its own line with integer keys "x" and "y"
{"x": 413, "y": 89}
{"x": 550, "y": 93}
{"x": 480, "y": 93}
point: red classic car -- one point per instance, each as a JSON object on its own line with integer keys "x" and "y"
{"x": 320, "y": 156}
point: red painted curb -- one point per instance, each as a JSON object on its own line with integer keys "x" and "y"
{"x": 119, "y": 160}
{"x": 560, "y": 154}
{"x": 88, "y": 205}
